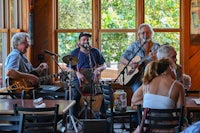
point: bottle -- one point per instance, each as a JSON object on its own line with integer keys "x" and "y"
{"x": 120, "y": 100}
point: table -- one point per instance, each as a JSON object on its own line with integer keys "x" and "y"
{"x": 191, "y": 106}
{"x": 6, "y": 105}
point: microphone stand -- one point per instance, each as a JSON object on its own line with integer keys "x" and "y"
{"x": 53, "y": 58}
{"x": 65, "y": 87}
{"x": 72, "y": 118}
{"x": 125, "y": 67}
{"x": 86, "y": 108}
{"x": 91, "y": 82}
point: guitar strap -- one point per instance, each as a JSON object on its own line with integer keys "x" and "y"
{"x": 25, "y": 62}
{"x": 150, "y": 44}
{"x": 88, "y": 75}
{"x": 92, "y": 57}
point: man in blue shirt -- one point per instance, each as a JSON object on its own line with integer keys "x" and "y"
{"x": 145, "y": 49}
{"x": 17, "y": 65}
{"x": 88, "y": 69}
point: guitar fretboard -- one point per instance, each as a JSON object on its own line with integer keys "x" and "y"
{"x": 44, "y": 78}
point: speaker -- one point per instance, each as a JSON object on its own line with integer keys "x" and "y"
{"x": 95, "y": 126}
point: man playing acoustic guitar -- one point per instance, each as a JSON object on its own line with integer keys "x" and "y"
{"x": 140, "y": 53}
{"x": 89, "y": 67}
{"x": 17, "y": 65}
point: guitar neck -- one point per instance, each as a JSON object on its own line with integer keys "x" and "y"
{"x": 44, "y": 78}
{"x": 142, "y": 60}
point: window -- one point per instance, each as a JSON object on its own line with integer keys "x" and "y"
{"x": 114, "y": 23}
{"x": 10, "y": 22}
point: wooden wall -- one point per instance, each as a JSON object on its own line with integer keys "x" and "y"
{"x": 43, "y": 32}
{"x": 44, "y": 39}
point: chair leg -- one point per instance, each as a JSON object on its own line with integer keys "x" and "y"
{"x": 112, "y": 126}
{"x": 130, "y": 124}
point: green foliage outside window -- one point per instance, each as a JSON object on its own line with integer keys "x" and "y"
{"x": 117, "y": 14}
{"x": 75, "y": 14}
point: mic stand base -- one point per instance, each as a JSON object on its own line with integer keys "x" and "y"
{"x": 85, "y": 110}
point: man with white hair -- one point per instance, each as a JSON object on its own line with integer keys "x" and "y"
{"x": 17, "y": 65}
{"x": 167, "y": 51}
{"x": 145, "y": 49}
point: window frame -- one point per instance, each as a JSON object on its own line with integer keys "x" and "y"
{"x": 96, "y": 24}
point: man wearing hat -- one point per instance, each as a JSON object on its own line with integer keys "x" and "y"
{"x": 88, "y": 69}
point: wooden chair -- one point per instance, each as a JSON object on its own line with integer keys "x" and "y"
{"x": 110, "y": 112}
{"x": 193, "y": 115}
{"x": 161, "y": 119}
{"x": 12, "y": 95}
{"x": 10, "y": 123}
{"x": 195, "y": 93}
{"x": 54, "y": 95}
{"x": 38, "y": 120}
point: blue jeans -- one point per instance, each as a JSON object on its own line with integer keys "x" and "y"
{"x": 76, "y": 96}
{"x": 134, "y": 87}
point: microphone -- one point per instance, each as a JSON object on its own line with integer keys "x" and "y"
{"x": 86, "y": 46}
{"x": 50, "y": 53}
{"x": 146, "y": 40}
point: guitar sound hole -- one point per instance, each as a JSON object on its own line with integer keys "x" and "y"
{"x": 131, "y": 72}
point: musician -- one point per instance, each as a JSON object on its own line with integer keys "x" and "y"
{"x": 17, "y": 65}
{"x": 144, "y": 47}
{"x": 90, "y": 62}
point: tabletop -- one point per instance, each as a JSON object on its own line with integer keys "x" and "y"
{"x": 6, "y": 105}
{"x": 191, "y": 106}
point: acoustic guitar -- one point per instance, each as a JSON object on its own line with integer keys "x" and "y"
{"x": 129, "y": 72}
{"x": 23, "y": 84}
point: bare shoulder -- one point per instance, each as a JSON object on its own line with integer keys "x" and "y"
{"x": 178, "y": 85}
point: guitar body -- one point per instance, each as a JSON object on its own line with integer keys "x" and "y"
{"x": 18, "y": 85}
{"x": 22, "y": 84}
{"x": 129, "y": 73}
{"x": 86, "y": 85}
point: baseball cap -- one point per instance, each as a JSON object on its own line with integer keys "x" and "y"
{"x": 84, "y": 34}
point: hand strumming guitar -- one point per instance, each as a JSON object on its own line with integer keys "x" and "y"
{"x": 97, "y": 73}
{"x": 133, "y": 64}
{"x": 81, "y": 78}
{"x": 41, "y": 68}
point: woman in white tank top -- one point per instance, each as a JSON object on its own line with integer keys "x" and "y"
{"x": 159, "y": 90}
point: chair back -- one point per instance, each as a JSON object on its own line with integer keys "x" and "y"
{"x": 107, "y": 97}
{"x": 12, "y": 95}
{"x": 36, "y": 120}
{"x": 161, "y": 119}
{"x": 10, "y": 123}
{"x": 193, "y": 93}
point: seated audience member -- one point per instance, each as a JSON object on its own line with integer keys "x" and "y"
{"x": 159, "y": 90}
{"x": 167, "y": 51}
{"x": 194, "y": 128}
{"x": 186, "y": 81}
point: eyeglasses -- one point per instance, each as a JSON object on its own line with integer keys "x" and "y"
{"x": 187, "y": 86}
{"x": 26, "y": 43}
